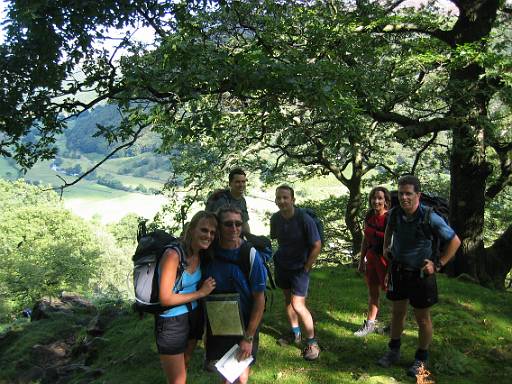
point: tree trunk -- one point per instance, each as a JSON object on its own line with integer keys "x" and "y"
{"x": 496, "y": 262}
{"x": 469, "y": 97}
{"x": 354, "y": 205}
{"x": 468, "y": 180}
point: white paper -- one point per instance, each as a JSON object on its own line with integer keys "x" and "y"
{"x": 230, "y": 367}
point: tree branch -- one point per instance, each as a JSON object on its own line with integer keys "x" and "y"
{"x": 420, "y": 152}
{"x": 505, "y": 177}
{"x": 151, "y": 22}
{"x": 413, "y": 128}
{"x": 136, "y": 136}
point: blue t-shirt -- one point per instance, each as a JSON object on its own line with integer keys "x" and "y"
{"x": 295, "y": 237}
{"x": 229, "y": 278}
{"x": 410, "y": 246}
{"x": 188, "y": 284}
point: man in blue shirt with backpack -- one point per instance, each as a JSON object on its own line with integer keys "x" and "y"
{"x": 299, "y": 245}
{"x": 231, "y": 278}
{"x": 412, "y": 230}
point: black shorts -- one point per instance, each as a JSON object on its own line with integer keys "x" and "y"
{"x": 173, "y": 333}
{"x": 296, "y": 280}
{"x": 217, "y": 346}
{"x": 405, "y": 284}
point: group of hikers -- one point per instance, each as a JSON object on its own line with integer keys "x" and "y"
{"x": 396, "y": 257}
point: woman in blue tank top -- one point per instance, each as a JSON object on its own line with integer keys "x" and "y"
{"x": 178, "y": 329}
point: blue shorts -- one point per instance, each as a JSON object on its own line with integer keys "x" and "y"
{"x": 296, "y": 280}
{"x": 173, "y": 333}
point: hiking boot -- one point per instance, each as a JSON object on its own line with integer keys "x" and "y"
{"x": 367, "y": 328}
{"x": 292, "y": 338}
{"x": 311, "y": 352}
{"x": 417, "y": 368}
{"x": 392, "y": 356}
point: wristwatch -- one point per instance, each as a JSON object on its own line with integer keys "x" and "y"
{"x": 438, "y": 265}
{"x": 249, "y": 339}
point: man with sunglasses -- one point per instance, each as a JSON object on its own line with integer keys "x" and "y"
{"x": 233, "y": 196}
{"x": 412, "y": 268}
{"x": 230, "y": 278}
{"x": 299, "y": 246}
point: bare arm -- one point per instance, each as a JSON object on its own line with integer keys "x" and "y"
{"x": 256, "y": 315}
{"x": 387, "y": 242}
{"x": 313, "y": 254}
{"x": 447, "y": 254}
{"x": 450, "y": 250}
{"x": 364, "y": 247}
{"x": 169, "y": 269}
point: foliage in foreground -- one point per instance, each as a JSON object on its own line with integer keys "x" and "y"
{"x": 472, "y": 339}
{"x": 45, "y": 250}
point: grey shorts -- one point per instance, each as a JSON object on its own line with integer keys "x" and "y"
{"x": 173, "y": 333}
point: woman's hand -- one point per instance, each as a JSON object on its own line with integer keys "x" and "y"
{"x": 207, "y": 287}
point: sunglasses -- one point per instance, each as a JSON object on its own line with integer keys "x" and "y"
{"x": 231, "y": 223}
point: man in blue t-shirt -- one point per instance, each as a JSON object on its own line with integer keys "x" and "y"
{"x": 411, "y": 275}
{"x": 299, "y": 246}
{"x": 230, "y": 278}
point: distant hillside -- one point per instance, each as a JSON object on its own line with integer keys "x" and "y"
{"x": 135, "y": 169}
{"x": 109, "y": 344}
{"x": 80, "y": 136}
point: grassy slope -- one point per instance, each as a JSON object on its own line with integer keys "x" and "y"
{"x": 472, "y": 340}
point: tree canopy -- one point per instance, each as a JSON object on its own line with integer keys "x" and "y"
{"x": 332, "y": 86}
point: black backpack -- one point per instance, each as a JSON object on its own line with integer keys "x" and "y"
{"x": 318, "y": 222}
{"x": 433, "y": 203}
{"x": 150, "y": 249}
{"x": 213, "y": 197}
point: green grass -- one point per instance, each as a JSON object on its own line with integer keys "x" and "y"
{"x": 472, "y": 340}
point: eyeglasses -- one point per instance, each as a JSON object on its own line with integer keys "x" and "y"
{"x": 230, "y": 223}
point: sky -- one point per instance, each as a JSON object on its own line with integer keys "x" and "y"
{"x": 2, "y": 17}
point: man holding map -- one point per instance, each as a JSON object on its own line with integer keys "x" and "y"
{"x": 248, "y": 291}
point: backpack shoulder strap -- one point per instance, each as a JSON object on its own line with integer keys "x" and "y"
{"x": 426, "y": 222}
{"x": 392, "y": 218}
{"x": 247, "y": 257}
{"x": 302, "y": 215}
{"x": 273, "y": 229}
{"x": 182, "y": 264}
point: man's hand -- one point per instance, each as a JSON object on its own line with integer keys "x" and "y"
{"x": 245, "y": 350}
{"x": 429, "y": 267}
